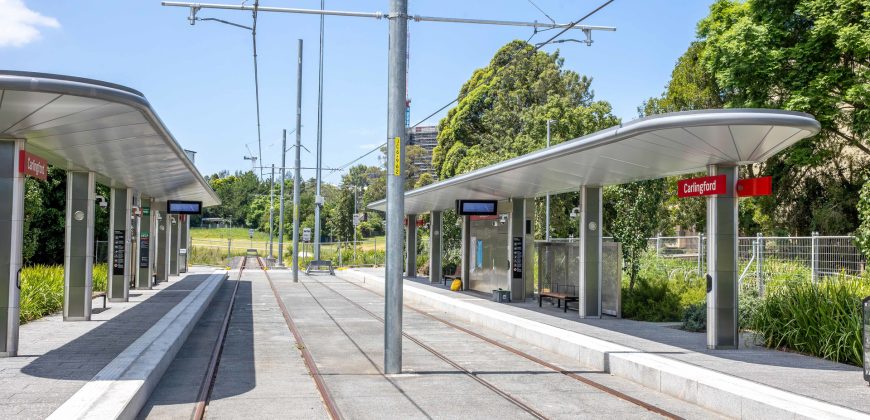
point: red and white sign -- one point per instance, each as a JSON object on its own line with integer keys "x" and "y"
{"x": 754, "y": 187}
{"x": 697, "y": 187}
{"x": 30, "y": 164}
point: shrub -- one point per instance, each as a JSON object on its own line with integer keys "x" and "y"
{"x": 822, "y": 319}
{"x": 695, "y": 317}
{"x": 652, "y": 299}
{"x": 42, "y": 289}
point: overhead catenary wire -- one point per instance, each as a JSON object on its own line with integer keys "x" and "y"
{"x": 491, "y": 76}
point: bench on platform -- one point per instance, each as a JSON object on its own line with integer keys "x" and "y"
{"x": 95, "y": 295}
{"x": 321, "y": 266}
{"x": 562, "y": 293}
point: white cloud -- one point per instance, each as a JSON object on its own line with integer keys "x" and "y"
{"x": 19, "y": 25}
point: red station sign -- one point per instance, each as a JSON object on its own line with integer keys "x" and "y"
{"x": 753, "y": 187}
{"x": 698, "y": 187}
{"x": 30, "y": 164}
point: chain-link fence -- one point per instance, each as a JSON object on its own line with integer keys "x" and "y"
{"x": 765, "y": 260}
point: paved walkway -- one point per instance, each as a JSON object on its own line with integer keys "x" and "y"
{"x": 809, "y": 376}
{"x": 57, "y": 358}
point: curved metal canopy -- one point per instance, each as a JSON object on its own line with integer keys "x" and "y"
{"x": 88, "y": 125}
{"x": 648, "y": 148}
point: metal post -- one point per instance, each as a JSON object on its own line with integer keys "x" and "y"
{"x": 281, "y": 201}
{"x": 355, "y": 211}
{"x": 759, "y": 263}
{"x": 297, "y": 168}
{"x": 146, "y": 245}
{"x": 722, "y": 290}
{"x": 814, "y": 256}
{"x": 547, "y": 211}
{"x": 119, "y": 273}
{"x": 396, "y": 93}
{"x": 434, "y": 246}
{"x": 79, "y": 246}
{"x": 411, "y": 246}
{"x": 589, "y": 303}
{"x": 11, "y": 240}
{"x": 318, "y": 200}
{"x": 271, "y": 209}
{"x": 229, "y": 252}
{"x": 658, "y": 245}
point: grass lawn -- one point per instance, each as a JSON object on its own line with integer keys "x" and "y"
{"x": 229, "y": 233}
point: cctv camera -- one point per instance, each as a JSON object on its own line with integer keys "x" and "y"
{"x": 102, "y": 202}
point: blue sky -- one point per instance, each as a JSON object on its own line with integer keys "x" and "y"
{"x": 199, "y": 78}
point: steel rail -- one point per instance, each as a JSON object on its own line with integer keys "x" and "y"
{"x": 208, "y": 379}
{"x": 587, "y": 381}
{"x": 325, "y": 395}
{"x": 498, "y": 391}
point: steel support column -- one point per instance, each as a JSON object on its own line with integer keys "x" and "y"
{"x": 174, "y": 228}
{"x": 397, "y": 135}
{"x": 590, "y": 252}
{"x": 161, "y": 234}
{"x": 435, "y": 247}
{"x": 11, "y": 240}
{"x": 411, "y": 246}
{"x": 120, "y": 226}
{"x": 465, "y": 251}
{"x": 145, "y": 259}
{"x": 78, "y": 267}
{"x": 722, "y": 262}
{"x": 183, "y": 243}
{"x": 519, "y": 249}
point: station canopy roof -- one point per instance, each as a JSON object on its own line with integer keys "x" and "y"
{"x": 88, "y": 125}
{"x": 648, "y": 148}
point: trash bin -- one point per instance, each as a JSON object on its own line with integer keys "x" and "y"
{"x": 865, "y": 309}
{"x": 501, "y": 296}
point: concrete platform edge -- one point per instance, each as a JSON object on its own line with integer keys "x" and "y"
{"x": 121, "y": 388}
{"x": 716, "y": 391}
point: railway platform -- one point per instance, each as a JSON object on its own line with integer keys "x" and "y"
{"x": 59, "y": 360}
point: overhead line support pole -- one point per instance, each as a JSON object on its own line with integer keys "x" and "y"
{"x": 296, "y": 174}
{"x": 318, "y": 200}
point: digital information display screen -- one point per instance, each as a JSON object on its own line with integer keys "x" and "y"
{"x": 184, "y": 207}
{"x": 477, "y": 207}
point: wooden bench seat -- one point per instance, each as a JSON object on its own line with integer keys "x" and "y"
{"x": 560, "y": 297}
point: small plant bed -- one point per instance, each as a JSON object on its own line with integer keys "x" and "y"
{"x": 42, "y": 289}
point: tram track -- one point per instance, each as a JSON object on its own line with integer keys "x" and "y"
{"x": 498, "y": 391}
{"x": 601, "y": 387}
{"x": 210, "y": 377}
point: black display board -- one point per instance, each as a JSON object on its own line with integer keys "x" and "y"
{"x": 143, "y": 250}
{"x": 517, "y": 252}
{"x": 118, "y": 245}
{"x": 184, "y": 207}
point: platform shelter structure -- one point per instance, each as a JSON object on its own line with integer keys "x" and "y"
{"x": 497, "y": 251}
{"x": 97, "y": 132}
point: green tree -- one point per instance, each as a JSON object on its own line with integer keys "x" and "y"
{"x": 803, "y": 55}
{"x": 635, "y": 217}
{"x": 502, "y": 110}
{"x": 862, "y": 234}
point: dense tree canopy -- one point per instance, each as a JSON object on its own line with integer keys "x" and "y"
{"x": 503, "y": 109}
